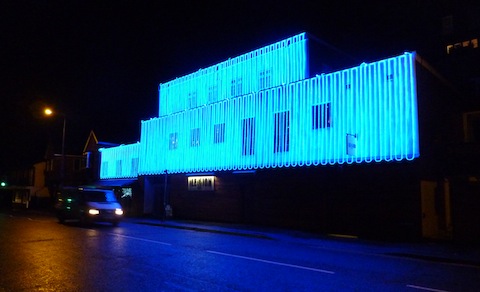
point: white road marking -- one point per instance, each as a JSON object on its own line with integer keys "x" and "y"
{"x": 141, "y": 239}
{"x": 425, "y": 288}
{"x": 271, "y": 262}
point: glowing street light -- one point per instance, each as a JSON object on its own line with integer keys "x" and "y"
{"x": 49, "y": 112}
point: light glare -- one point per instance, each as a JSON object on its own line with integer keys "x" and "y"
{"x": 93, "y": 212}
{"x": 48, "y": 111}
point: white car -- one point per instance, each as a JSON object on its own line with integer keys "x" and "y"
{"x": 88, "y": 205}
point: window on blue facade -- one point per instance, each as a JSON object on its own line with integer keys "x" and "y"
{"x": 219, "y": 133}
{"x": 134, "y": 169}
{"x": 104, "y": 169}
{"x": 212, "y": 94}
{"x": 321, "y": 116}
{"x": 239, "y": 86}
{"x": 282, "y": 132}
{"x": 118, "y": 169}
{"x": 236, "y": 87}
{"x": 195, "y": 137}
{"x": 192, "y": 100}
{"x": 265, "y": 80}
{"x": 173, "y": 141}
{"x": 248, "y": 136}
{"x": 233, "y": 88}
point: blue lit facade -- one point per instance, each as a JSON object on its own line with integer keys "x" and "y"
{"x": 119, "y": 162}
{"x": 259, "y": 110}
{"x": 273, "y": 65}
{"x": 259, "y": 136}
{"x": 363, "y": 114}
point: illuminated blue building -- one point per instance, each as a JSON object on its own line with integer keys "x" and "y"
{"x": 363, "y": 114}
{"x": 267, "y": 122}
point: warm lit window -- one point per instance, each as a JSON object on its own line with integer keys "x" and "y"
{"x": 173, "y": 141}
{"x": 219, "y": 133}
{"x": 469, "y": 44}
{"x": 474, "y": 43}
{"x": 282, "y": 132}
{"x": 248, "y": 136}
{"x": 195, "y": 137}
{"x": 321, "y": 117}
{"x": 449, "y": 49}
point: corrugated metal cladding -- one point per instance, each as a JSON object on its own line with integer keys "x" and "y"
{"x": 119, "y": 162}
{"x": 258, "y": 110}
{"x": 279, "y": 63}
{"x": 363, "y": 114}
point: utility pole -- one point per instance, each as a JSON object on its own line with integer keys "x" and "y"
{"x": 164, "y": 213}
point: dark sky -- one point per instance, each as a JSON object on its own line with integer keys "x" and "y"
{"x": 100, "y": 62}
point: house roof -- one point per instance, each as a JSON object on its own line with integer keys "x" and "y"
{"x": 92, "y": 144}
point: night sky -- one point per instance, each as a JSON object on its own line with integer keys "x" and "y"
{"x": 100, "y": 62}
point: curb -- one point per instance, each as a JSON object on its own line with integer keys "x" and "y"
{"x": 407, "y": 253}
{"x": 201, "y": 229}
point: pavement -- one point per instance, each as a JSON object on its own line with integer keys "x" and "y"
{"x": 445, "y": 252}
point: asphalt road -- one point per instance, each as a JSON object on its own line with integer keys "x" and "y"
{"x": 39, "y": 254}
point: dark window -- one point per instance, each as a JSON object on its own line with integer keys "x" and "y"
{"x": 233, "y": 88}
{"x": 219, "y": 133}
{"x": 119, "y": 168}
{"x": 236, "y": 87}
{"x": 192, "y": 100}
{"x": 265, "y": 80}
{"x": 248, "y": 136}
{"x": 105, "y": 168}
{"x": 212, "y": 94}
{"x": 77, "y": 164}
{"x": 134, "y": 169}
{"x": 173, "y": 141}
{"x": 321, "y": 117}
{"x": 195, "y": 137}
{"x": 282, "y": 132}
{"x": 239, "y": 86}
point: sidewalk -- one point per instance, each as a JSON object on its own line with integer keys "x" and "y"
{"x": 440, "y": 252}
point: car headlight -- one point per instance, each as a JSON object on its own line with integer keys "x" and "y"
{"x": 93, "y": 212}
{"x": 118, "y": 211}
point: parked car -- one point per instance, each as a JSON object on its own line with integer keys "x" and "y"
{"x": 88, "y": 205}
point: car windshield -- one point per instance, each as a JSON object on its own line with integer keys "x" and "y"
{"x": 98, "y": 196}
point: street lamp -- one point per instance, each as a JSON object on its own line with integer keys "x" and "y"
{"x": 49, "y": 112}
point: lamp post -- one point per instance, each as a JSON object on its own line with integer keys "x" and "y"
{"x": 49, "y": 112}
